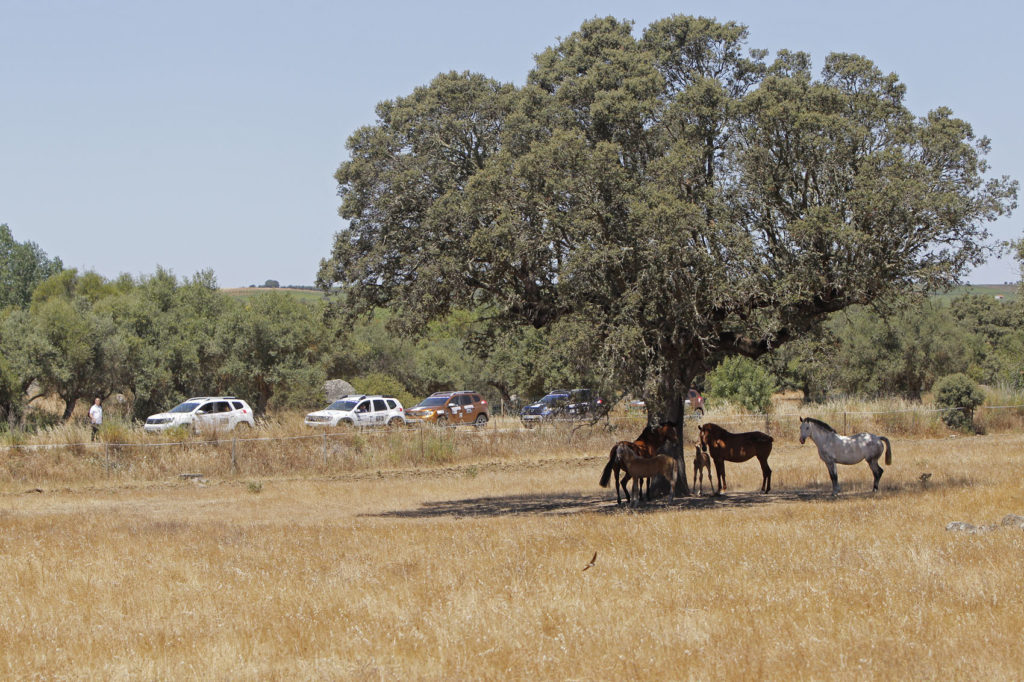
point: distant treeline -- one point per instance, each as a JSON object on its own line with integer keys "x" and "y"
{"x": 273, "y": 284}
{"x": 158, "y": 339}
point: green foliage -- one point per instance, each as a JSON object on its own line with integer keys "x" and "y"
{"x": 899, "y": 353}
{"x": 996, "y": 330}
{"x": 270, "y": 343}
{"x": 10, "y": 402}
{"x": 677, "y": 196}
{"x": 23, "y": 265}
{"x": 902, "y": 348}
{"x": 808, "y": 364}
{"x": 741, "y": 381}
{"x": 960, "y": 392}
{"x": 80, "y": 352}
{"x": 379, "y": 383}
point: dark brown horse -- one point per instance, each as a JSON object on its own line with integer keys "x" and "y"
{"x": 724, "y": 446}
{"x": 646, "y": 445}
{"x": 702, "y": 461}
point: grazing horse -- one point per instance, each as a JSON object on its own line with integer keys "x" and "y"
{"x": 646, "y": 445}
{"x": 833, "y": 448}
{"x": 702, "y": 461}
{"x": 641, "y": 467}
{"x": 724, "y": 446}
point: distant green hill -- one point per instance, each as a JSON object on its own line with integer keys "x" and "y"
{"x": 306, "y": 295}
{"x": 1007, "y": 291}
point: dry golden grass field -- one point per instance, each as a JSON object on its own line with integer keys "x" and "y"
{"x": 309, "y": 560}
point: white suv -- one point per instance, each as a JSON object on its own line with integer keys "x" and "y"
{"x": 359, "y": 410}
{"x": 221, "y": 413}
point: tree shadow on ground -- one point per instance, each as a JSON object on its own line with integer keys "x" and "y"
{"x": 576, "y": 503}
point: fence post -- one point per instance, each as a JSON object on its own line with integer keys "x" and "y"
{"x": 846, "y": 429}
{"x": 325, "y": 447}
{"x": 234, "y": 462}
{"x": 106, "y": 456}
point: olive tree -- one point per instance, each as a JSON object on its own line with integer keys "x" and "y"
{"x": 677, "y": 193}
{"x": 23, "y": 265}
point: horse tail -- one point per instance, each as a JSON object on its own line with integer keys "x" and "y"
{"x": 888, "y": 450}
{"x": 607, "y": 473}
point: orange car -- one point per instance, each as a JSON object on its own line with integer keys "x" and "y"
{"x": 450, "y": 408}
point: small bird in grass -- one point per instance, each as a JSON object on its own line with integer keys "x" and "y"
{"x": 925, "y": 477}
{"x": 593, "y": 560}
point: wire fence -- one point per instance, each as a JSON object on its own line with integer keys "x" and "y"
{"x": 345, "y": 451}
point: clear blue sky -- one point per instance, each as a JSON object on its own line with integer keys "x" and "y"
{"x": 198, "y": 135}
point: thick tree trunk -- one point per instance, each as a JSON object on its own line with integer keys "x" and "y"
{"x": 69, "y": 406}
{"x": 675, "y": 411}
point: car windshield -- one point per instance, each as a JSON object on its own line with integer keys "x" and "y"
{"x": 434, "y": 402}
{"x": 187, "y": 406}
{"x": 343, "y": 405}
{"x": 554, "y": 398}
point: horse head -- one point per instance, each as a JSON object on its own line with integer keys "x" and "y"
{"x": 705, "y": 434}
{"x": 805, "y": 430}
{"x": 667, "y": 432}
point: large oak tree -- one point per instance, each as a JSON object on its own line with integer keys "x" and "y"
{"x": 678, "y": 195}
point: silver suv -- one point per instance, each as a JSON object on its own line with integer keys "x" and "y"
{"x": 360, "y": 410}
{"x": 221, "y": 413}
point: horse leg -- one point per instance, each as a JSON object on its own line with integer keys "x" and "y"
{"x": 720, "y": 470}
{"x": 766, "y": 475}
{"x": 615, "y": 474}
{"x": 876, "y": 470}
{"x": 832, "y": 474}
{"x": 625, "y": 490}
{"x": 636, "y": 494}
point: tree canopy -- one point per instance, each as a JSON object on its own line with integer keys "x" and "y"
{"x": 23, "y": 265}
{"x": 676, "y": 198}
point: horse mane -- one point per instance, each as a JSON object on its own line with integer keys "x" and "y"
{"x": 820, "y": 423}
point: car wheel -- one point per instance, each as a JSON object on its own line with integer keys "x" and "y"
{"x": 243, "y": 426}
{"x": 699, "y": 412}
{"x": 442, "y": 422}
{"x": 346, "y": 423}
{"x": 529, "y": 425}
{"x": 395, "y": 421}
{"x": 481, "y": 421}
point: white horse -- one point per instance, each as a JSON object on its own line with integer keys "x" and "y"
{"x": 834, "y": 448}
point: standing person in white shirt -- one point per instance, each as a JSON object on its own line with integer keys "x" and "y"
{"x": 95, "y": 417}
